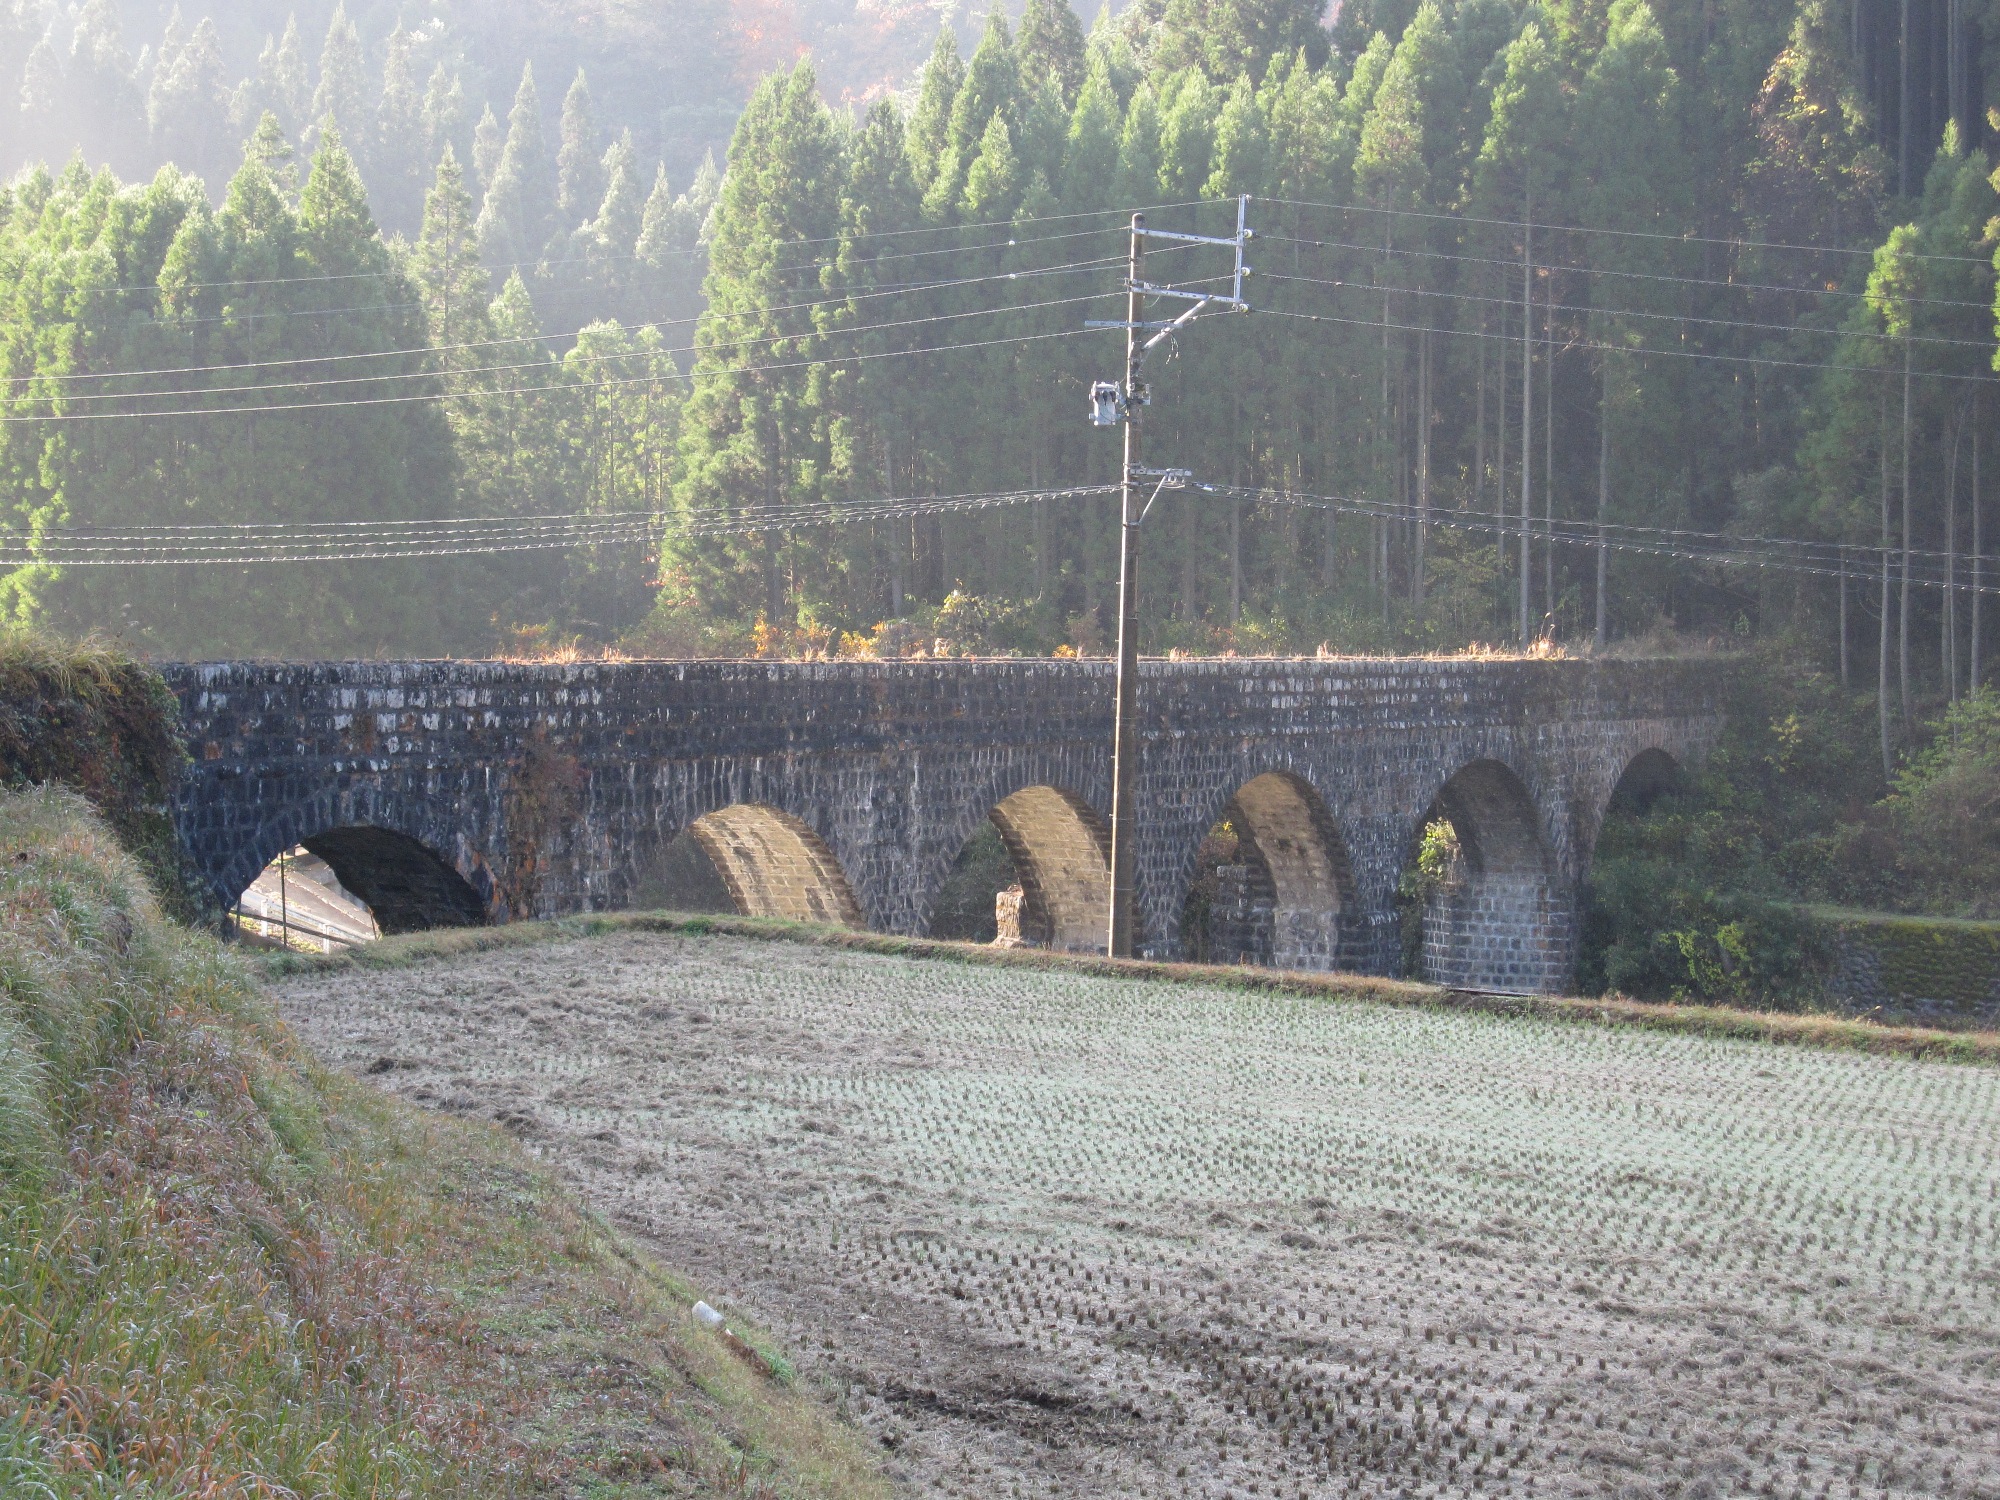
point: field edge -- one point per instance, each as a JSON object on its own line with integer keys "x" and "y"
{"x": 1782, "y": 1028}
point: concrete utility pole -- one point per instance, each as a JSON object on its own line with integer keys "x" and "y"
{"x": 1124, "y": 732}
{"x": 1527, "y": 408}
{"x": 1110, "y": 406}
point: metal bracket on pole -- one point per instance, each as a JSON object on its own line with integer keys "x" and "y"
{"x": 1109, "y": 412}
{"x": 1170, "y": 479}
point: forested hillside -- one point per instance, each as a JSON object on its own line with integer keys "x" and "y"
{"x": 1713, "y": 283}
{"x": 1572, "y": 320}
{"x": 136, "y": 83}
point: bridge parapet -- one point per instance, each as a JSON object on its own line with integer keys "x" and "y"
{"x": 545, "y": 788}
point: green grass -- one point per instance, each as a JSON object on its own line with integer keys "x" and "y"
{"x": 226, "y": 1270}
{"x": 1782, "y": 1029}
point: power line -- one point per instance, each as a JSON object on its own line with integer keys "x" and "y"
{"x": 1644, "y": 351}
{"x": 837, "y": 301}
{"x": 845, "y": 238}
{"x": 1725, "y": 553}
{"x": 244, "y": 544}
{"x": 1378, "y": 289}
{"x": 1404, "y": 252}
{"x": 556, "y": 389}
{"x": 1630, "y": 234}
{"x": 841, "y": 330}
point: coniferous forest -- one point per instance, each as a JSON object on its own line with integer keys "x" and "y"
{"x": 1576, "y": 321}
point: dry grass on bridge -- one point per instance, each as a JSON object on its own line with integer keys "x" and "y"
{"x": 1062, "y": 1234}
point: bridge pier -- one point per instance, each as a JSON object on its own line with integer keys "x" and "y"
{"x": 844, "y": 791}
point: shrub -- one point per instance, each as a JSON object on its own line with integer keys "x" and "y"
{"x": 1945, "y": 810}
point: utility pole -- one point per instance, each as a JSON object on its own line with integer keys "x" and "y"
{"x": 1527, "y": 407}
{"x": 1110, "y": 406}
{"x": 1124, "y": 732}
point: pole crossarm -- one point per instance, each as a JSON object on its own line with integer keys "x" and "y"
{"x": 1198, "y": 297}
{"x": 1228, "y": 241}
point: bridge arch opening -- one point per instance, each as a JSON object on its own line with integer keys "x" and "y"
{"x": 1272, "y": 882}
{"x": 1647, "y": 777}
{"x": 348, "y": 885}
{"x": 752, "y": 859}
{"x": 1484, "y": 905}
{"x": 1037, "y": 874}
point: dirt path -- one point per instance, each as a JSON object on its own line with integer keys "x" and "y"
{"x": 1055, "y": 1235}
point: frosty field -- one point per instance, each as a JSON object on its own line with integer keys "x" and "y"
{"x": 1047, "y": 1234}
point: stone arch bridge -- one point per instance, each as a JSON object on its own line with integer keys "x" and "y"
{"x": 465, "y": 792}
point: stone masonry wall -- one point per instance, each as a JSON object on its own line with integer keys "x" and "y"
{"x": 547, "y": 786}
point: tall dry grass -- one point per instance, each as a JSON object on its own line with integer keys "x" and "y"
{"x": 226, "y": 1272}
{"x": 195, "y": 1296}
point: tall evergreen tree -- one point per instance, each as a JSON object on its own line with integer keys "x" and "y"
{"x": 445, "y": 265}
{"x": 1090, "y": 157}
{"x": 992, "y": 87}
{"x": 1232, "y": 37}
{"x": 488, "y": 141}
{"x": 342, "y": 94}
{"x": 444, "y": 113}
{"x": 518, "y": 216}
{"x": 102, "y": 90}
{"x": 281, "y": 86}
{"x": 398, "y": 162}
{"x": 930, "y": 121}
{"x": 1051, "y": 46}
{"x": 579, "y": 176}
{"x": 189, "y": 105}
{"x": 756, "y": 437}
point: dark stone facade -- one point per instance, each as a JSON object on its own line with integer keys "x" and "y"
{"x": 548, "y": 788}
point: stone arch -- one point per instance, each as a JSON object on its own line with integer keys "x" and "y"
{"x": 1295, "y": 890}
{"x": 406, "y": 884}
{"x": 1501, "y": 917}
{"x": 411, "y": 878}
{"x": 1646, "y": 777}
{"x": 1061, "y": 851}
{"x": 774, "y": 865}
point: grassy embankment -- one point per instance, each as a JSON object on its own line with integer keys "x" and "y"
{"x": 1809, "y": 1030}
{"x": 227, "y": 1271}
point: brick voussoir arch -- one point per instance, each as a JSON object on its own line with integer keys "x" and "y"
{"x": 690, "y": 792}
{"x": 1504, "y": 917}
{"x": 342, "y": 812}
{"x": 959, "y": 807}
{"x": 1303, "y": 774}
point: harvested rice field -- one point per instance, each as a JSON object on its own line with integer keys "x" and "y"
{"x": 1042, "y": 1233}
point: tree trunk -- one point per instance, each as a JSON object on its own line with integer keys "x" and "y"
{"x": 774, "y": 580}
{"x": 1479, "y": 427}
{"x": 1236, "y": 517}
{"x": 1903, "y": 595}
{"x": 1978, "y": 561}
{"x": 1882, "y": 641}
{"x": 1845, "y": 683}
{"x": 1500, "y": 458}
{"x": 1948, "y": 624}
{"x": 1549, "y": 459}
{"x": 1423, "y": 467}
{"x": 1604, "y": 493}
